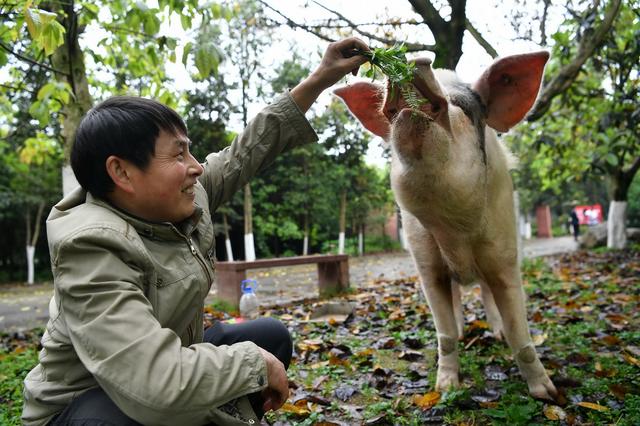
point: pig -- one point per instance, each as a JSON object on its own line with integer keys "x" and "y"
{"x": 450, "y": 177}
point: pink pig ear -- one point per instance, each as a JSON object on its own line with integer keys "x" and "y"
{"x": 364, "y": 100}
{"x": 510, "y": 86}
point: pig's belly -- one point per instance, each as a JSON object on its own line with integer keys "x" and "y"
{"x": 462, "y": 266}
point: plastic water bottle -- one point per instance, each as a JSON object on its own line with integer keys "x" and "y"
{"x": 249, "y": 300}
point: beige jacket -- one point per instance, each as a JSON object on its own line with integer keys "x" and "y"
{"x": 127, "y": 310}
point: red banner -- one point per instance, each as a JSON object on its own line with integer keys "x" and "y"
{"x": 589, "y": 215}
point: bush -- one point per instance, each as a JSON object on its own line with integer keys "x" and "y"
{"x": 372, "y": 244}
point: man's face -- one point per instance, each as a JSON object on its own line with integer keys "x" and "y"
{"x": 164, "y": 191}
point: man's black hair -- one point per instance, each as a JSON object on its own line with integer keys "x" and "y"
{"x": 124, "y": 126}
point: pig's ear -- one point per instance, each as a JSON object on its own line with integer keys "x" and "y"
{"x": 509, "y": 88}
{"x": 364, "y": 100}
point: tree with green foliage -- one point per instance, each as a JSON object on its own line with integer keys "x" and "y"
{"x": 128, "y": 56}
{"x": 347, "y": 143}
{"x": 592, "y": 129}
{"x": 247, "y": 38}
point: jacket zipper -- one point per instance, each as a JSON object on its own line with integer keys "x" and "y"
{"x": 194, "y": 252}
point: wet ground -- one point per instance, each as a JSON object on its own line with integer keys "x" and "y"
{"x": 23, "y": 307}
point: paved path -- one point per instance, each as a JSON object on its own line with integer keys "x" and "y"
{"x": 23, "y": 307}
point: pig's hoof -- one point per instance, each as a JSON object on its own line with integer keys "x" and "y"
{"x": 543, "y": 388}
{"x": 447, "y": 379}
{"x": 498, "y": 334}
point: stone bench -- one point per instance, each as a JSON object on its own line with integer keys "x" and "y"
{"x": 333, "y": 274}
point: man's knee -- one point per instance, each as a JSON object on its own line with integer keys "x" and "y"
{"x": 278, "y": 332}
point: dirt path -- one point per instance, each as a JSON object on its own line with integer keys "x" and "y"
{"x": 23, "y": 307}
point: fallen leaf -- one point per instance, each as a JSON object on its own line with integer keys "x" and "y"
{"x": 344, "y": 392}
{"x": 427, "y": 400}
{"x": 410, "y": 355}
{"x": 539, "y": 339}
{"x": 296, "y": 410}
{"x": 553, "y": 412}
{"x": 618, "y": 390}
{"x": 593, "y": 406}
{"x": 631, "y": 360}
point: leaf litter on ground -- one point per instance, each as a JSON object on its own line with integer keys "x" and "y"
{"x": 583, "y": 310}
{"x": 352, "y": 373}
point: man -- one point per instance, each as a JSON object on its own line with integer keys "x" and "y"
{"x": 132, "y": 257}
{"x": 575, "y": 224}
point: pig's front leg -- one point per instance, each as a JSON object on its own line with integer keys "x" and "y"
{"x": 507, "y": 291}
{"x": 436, "y": 284}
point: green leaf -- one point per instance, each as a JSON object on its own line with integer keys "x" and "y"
{"x": 186, "y": 51}
{"x": 151, "y": 24}
{"x": 185, "y": 21}
{"x": 52, "y": 37}
{"x": 612, "y": 159}
{"x": 207, "y": 60}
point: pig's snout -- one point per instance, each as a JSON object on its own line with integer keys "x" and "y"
{"x": 424, "y": 88}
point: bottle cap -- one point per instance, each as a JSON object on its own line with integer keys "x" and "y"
{"x": 249, "y": 286}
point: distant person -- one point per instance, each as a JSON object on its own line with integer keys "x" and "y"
{"x": 575, "y": 224}
{"x": 132, "y": 255}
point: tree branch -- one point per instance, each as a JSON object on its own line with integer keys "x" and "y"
{"x": 312, "y": 29}
{"x": 632, "y": 170}
{"x": 481, "y": 40}
{"x": 430, "y": 15}
{"x": 30, "y": 61}
{"x": 568, "y": 73}
{"x": 411, "y": 47}
{"x": 17, "y": 89}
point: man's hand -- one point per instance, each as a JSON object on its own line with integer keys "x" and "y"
{"x": 277, "y": 390}
{"x": 339, "y": 59}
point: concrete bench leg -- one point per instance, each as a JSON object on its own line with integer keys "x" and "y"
{"x": 333, "y": 278}
{"x": 229, "y": 281}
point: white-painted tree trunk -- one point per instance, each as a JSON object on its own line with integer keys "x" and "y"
{"x": 31, "y": 251}
{"x": 341, "y": 243}
{"x": 305, "y": 245}
{"x": 249, "y": 247}
{"x": 403, "y": 239}
{"x": 360, "y": 242}
{"x": 69, "y": 181}
{"x": 227, "y": 246}
{"x": 616, "y": 225}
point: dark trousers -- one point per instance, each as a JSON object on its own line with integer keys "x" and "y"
{"x": 95, "y": 408}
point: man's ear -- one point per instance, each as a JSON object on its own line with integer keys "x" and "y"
{"x": 119, "y": 172}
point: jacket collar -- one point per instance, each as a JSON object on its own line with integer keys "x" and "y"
{"x": 153, "y": 230}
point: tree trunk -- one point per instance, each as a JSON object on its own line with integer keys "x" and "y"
{"x": 249, "y": 247}
{"x": 361, "y": 240}
{"x": 227, "y": 240}
{"x": 32, "y": 239}
{"x": 69, "y": 59}
{"x": 305, "y": 243}
{"x": 343, "y": 221}
{"x": 616, "y": 225}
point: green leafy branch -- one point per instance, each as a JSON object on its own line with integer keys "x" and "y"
{"x": 393, "y": 63}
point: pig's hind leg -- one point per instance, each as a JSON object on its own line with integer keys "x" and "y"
{"x": 458, "y": 311}
{"x": 507, "y": 290}
{"x": 491, "y": 311}
{"x": 436, "y": 284}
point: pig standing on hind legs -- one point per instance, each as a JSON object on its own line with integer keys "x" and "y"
{"x": 450, "y": 177}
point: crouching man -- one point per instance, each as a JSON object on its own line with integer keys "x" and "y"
{"x": 132, "y": 254}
